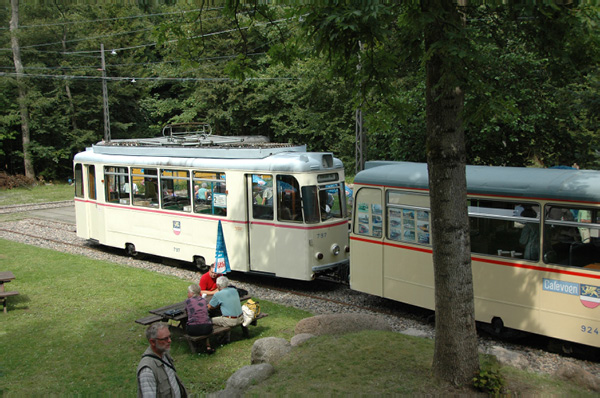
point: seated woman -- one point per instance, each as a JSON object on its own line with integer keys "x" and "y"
{"x": 198, "y": 323}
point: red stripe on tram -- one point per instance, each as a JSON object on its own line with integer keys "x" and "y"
{"x": 485, "y": 260}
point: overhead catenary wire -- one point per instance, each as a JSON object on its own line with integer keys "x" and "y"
{"x": 153, "y": 44}
{"x": 76, "y": 67}
{"x": 130, "y": 78}
{"x": 91, "y": 38}
{"x": 113, "y": 19}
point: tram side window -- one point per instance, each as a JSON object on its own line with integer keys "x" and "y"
{"x": 91, "y": 181}
{"x": 368, "y": 217}
{"x": 407, "y": 224}
{"x": 572, "y": 236}
{"x": 289, "y": 205}
{"x": 78, "y": 181}
{"x": 508, "y": 229}
{"x": 175, "y": 190}
{"x": 144, "y": 185}
{"x": 210, "y": 193}
{"x": 262, "y": 196}
{"x": 116, "y": 184}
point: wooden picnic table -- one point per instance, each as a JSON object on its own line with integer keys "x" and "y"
{"x": 5, "y": 277}
{"x": 172, "y": 311}
{"x": 177, "y": 312}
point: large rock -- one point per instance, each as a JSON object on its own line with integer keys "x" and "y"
{"x": 341, "y": 323}
{"x": 300, "y": 339}
{"x": 269, "y": 350}
{"x": 243, "y": 379}
{"x": 509, "y": 358}
{"x": 576, "y": 374}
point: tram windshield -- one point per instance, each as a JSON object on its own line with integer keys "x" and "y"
{"x": 323, "y": 202}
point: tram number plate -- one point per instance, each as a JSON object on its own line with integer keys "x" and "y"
{"x": 322, "y": 235}
{"x": 589, "y": 330}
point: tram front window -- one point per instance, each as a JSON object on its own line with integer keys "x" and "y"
{"x": 330, "y": 201}
{"x": 310, "y": 201}
{"x": 323, "y": 202}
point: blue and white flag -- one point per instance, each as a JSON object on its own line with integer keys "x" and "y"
{"x": 221, "y": 259}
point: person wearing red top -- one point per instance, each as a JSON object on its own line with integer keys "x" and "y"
{"x": 208, "y": 281}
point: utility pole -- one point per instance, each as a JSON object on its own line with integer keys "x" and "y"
{"x": 361, "y": 139}
{"x": 105, "y": 97}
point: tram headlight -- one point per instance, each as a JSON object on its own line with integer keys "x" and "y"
{"x": 335, "y": 249}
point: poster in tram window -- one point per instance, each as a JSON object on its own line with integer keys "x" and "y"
{"x": 377, "y": 220}
{"x": 423, "y": 226}
{"x": 395, "y": 224}
{"x": 408, "y": 225}
{"x": 364, "y": 226}
{"x": 220, "y": 200}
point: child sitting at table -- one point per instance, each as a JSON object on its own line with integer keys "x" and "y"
{"x": 198, "y": 323}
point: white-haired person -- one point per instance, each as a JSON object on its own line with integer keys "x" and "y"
{"x": 228, "y": 301}
{"x": 198, "y": 322}
{"x": 156, "y": 374}
{"x": 202, "y": 192}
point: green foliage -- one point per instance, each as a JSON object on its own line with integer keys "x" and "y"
{"x": 297, "y": 74}
{"x": 490, "y": 381}
{"x": 77, "y": 315}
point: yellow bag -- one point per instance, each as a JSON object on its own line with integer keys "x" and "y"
{"x": 254, "y": 307}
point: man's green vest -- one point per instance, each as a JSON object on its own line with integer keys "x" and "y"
{"x": 163, "y": 387}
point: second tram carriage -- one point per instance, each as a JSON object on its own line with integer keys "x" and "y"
{"x": 283, "y": 210}
{"x": 535, "y": 243}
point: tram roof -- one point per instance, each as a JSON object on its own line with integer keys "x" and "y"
{"x": 512, "y": 182}
{"x": 252, "y": 156}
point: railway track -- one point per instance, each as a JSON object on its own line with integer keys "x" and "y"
{"x": 319, "y": 296}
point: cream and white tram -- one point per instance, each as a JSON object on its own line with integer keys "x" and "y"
{"x": 535, "y": 244}
{"x": 282, "y": 209}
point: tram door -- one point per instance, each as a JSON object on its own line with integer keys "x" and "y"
{"x": 93, "y": 216}
{"x": 261, "y": 232}
{"x": 366, "y": 241}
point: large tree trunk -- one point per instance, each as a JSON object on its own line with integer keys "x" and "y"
{"x": 14, "y": 40}
{"x": 455, "y": 357}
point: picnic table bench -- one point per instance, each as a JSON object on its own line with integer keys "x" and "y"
{"x": 217, "y": 330}
{"x": 5, "y": 277}
{"x": 176, "y": 312}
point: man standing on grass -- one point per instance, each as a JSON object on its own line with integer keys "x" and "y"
{"x": 156, "y": 374}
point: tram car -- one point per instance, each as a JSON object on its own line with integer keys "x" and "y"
{"x": 535, "y": 244}
{"x": 282, "y": 209}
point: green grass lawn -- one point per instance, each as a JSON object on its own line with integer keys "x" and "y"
{"x": 36, "y": 194}
{"x": 72, "y": 331}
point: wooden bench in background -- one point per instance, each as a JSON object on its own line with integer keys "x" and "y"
{"x": 149, "y": 320}
{"x": 217, "y": 330}
{"x": 4, "y": 295}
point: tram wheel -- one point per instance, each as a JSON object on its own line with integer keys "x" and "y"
{"x": 200, "y": 263}
{"x": 130, "y": 248}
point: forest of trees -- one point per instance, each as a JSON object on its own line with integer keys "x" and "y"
{"x": 252, "y": 71}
